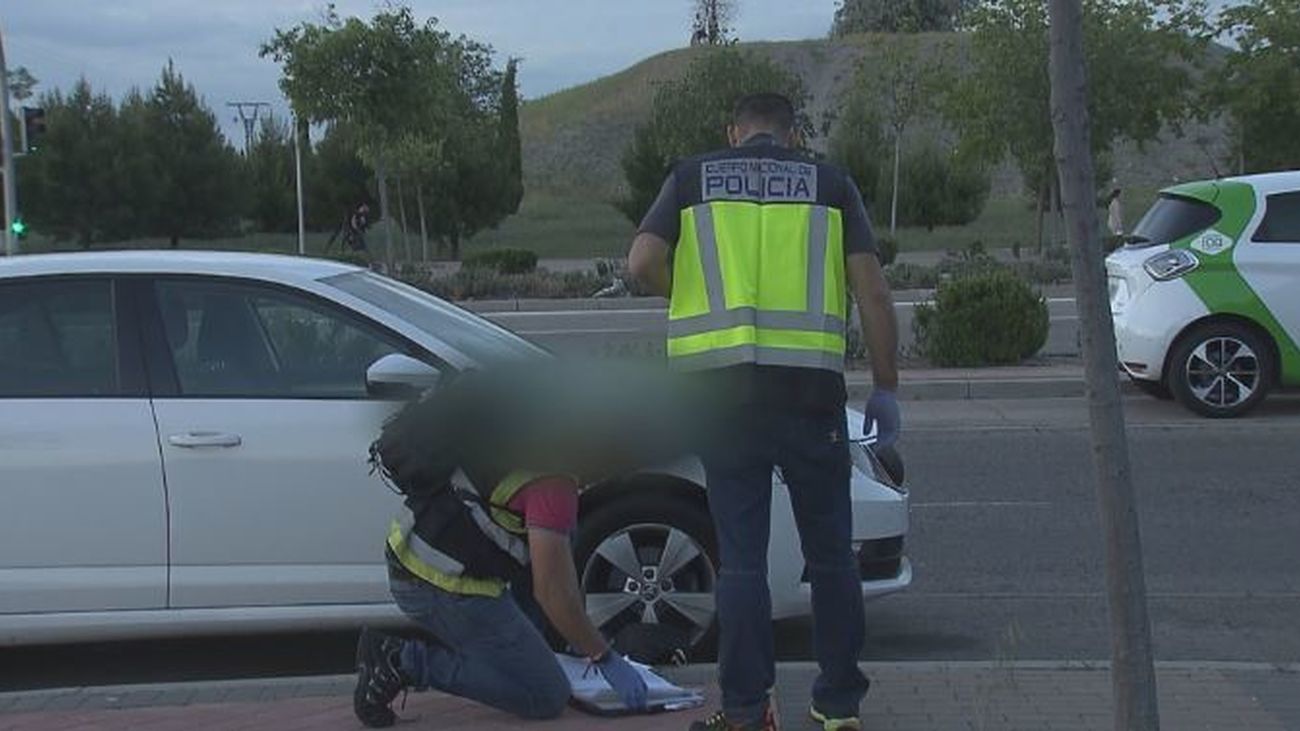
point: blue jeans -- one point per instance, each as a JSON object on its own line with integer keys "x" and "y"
{"x": 812, "y": 454}
{"x": 487, "y": 650}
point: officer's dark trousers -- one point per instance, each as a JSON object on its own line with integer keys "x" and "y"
{"x": 812, "y": 454}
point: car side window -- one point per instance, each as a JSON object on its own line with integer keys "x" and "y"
{"x": 1281, "y": 222}
{"x": 58, "y": 339}
{"x": 236, "y": 340}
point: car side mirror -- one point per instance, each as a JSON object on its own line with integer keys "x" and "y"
{"x": 397, "y": 376}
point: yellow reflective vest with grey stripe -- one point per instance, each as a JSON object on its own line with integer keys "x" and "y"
{"x": 469, "y": 542}
{"x": 758, "y": 271}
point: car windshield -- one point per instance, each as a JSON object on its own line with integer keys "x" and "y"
{"x": 480, "y": 340}
{"x": 1172, "y": 218}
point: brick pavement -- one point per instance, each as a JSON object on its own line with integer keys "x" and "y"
{"x": 904, "y": 697}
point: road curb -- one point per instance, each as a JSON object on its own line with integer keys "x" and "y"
{"x": 974, "y": 389}
{"x": 274, "y": 689}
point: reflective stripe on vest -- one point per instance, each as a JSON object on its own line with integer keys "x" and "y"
{"x": 758, "y": 284}
{"x": 433, "y": 565}
{"x": 503, "y": 527}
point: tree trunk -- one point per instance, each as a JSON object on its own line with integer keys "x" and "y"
{"x": 424, "y": 228}
{"x": 401, "y": 212}
{"x": 455, "y": 243}
{"x": 1040, "y": 202}
{"x": 1132, "y": 665}
{"x": 893, "y": 205}
{"x": 1051, "y": 210}
{"x": 384, "y": 214}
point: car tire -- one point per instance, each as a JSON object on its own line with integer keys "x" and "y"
{"x": 1154, "y": 389}
{"x": 1221, "y": 370}
{"x": 680, "y": 605}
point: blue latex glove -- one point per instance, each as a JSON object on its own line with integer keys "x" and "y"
{"x": 624, "y": 679}
{"x": 882, "y": 408}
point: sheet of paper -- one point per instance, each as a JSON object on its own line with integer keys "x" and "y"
{"x": 589, "y": 686}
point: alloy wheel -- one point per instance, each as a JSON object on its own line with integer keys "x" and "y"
{"x": 1223, "y": 372}
{"x": 653, "y": 574}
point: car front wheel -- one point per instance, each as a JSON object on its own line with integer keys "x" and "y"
{"x": 1221, "y": 370}
{"x": 648, "y": 567}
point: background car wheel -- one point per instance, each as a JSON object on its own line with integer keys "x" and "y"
{"x": 1154, "y": 389}
{"x": 1221, "y": 370}
{"x": 648, "y": 567}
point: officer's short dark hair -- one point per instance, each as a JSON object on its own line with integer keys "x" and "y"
{"x": 768, "y": 110}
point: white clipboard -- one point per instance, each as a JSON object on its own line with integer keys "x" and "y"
{"x": 591, "y": 692}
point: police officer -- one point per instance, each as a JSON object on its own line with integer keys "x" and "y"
{"x": 475, "y": 528}
{"x": 754, "y": 246}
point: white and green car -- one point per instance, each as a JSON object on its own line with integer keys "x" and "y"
{"x": 1205, "y": 295}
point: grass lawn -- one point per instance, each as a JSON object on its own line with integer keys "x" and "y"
{"x": 557, "y": 226}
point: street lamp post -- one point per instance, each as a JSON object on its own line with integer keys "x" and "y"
{"x": 7, "y": 149}
{"x": 297, "y": 164}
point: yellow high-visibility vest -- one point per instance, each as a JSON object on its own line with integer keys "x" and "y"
{"x": 758, "y": 272}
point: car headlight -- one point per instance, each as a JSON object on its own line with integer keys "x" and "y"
{"x": 1170, "y": 264}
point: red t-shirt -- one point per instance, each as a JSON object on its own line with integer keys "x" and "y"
{"x": 550, "y": 503}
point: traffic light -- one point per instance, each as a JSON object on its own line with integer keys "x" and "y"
{"x": 33, "y": 127}
{"x": 18, "y": 228}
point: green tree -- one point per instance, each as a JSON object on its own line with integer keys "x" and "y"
{"x": 198, "y": 171}
{"x": 938, "y": 187}
{"x": 269, "y": 173}
{"x": 859, "y": 145}
{"x": 338, "y": 180}
{"x": 689, "y": 116}
{"x": 1260, "y": 83}
{"x": 906, "y": 80}
{"x": 414, "y": 98}
{"x": 511, "y": 148}
{"x": 136, "y": 172}
{"x": 1140, "y": 58}
{"x": 21, "y": 84}
{"x": 897, "y": 16}
{"x": 68, "y": 182}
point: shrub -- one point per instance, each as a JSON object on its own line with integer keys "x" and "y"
{"x": 887, "y": 248}
{"x": 502, "y": 261}
{"x": 982, "y": 319}
{"x": 902, "y": 275}
{"x": 477, "y": 283}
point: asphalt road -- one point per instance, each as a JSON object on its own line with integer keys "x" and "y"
{"x": 642, "y": 330}
{"x": 1005, "y": 542}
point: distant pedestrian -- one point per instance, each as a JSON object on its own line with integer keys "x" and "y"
{"x": 353, "y": 230}
{"x": 1115, "y": 210}
{"x": 757, "y": 246}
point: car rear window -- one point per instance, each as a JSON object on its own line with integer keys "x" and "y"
{"x": 1174, "y": 217}
{"x": 57, "y": 339}
{"x": 1282, "y": 220}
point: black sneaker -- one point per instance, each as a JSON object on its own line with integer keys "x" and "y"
{"x": 719, "y": 722}
{"x": 379, "y": 678}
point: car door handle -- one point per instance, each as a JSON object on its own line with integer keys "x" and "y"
{"x": 193, "y": 439}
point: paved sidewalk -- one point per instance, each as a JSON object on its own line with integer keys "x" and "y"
{"x": 904, "y": 697}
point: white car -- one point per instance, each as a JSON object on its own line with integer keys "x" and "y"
{"x": 1205, "y": 296}
{"x": 183, "y": 451}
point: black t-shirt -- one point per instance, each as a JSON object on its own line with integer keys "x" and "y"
{"x": 780, "y": 387}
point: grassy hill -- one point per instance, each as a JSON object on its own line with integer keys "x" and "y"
{"x": 574, "y": 139}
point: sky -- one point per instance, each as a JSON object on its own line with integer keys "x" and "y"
{"x": 119, "y": 44}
